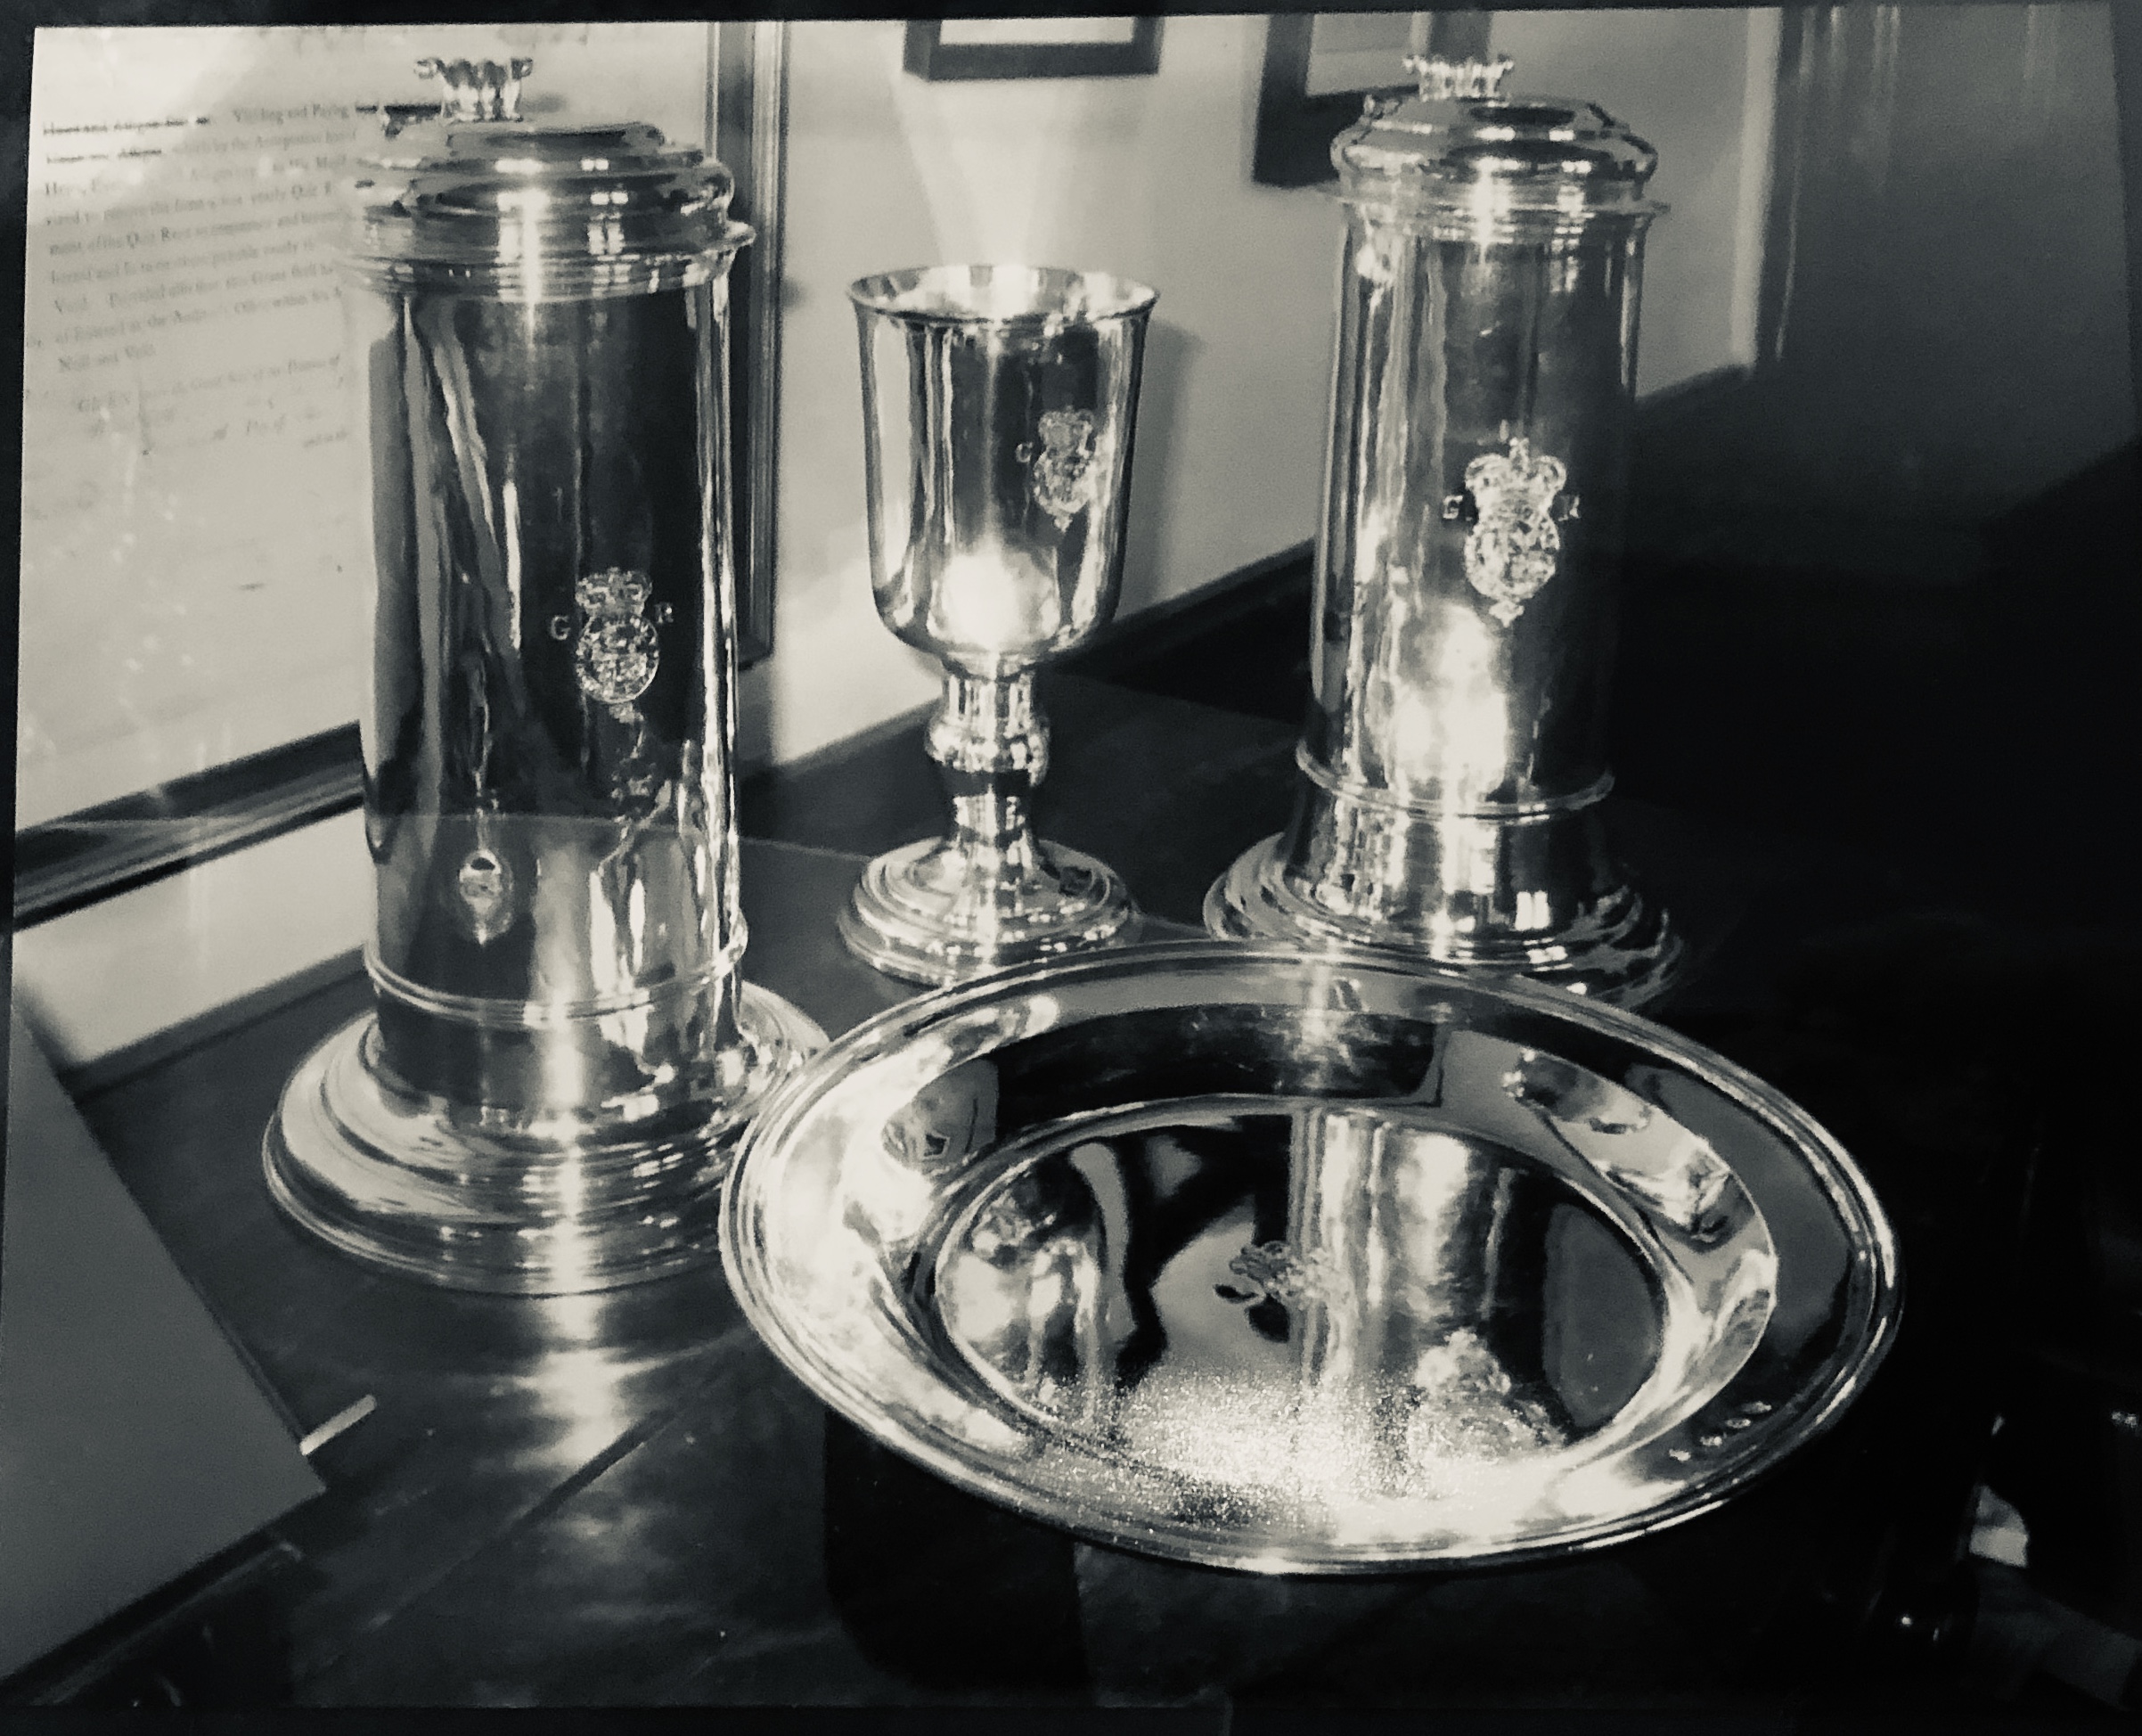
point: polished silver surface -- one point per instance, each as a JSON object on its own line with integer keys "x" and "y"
{"x": 999, "y": 404}
{"x": 575, "y": 1200}
{"x": 1454, "y": 753}
{"x": 563, "y": 1049}
{"x": 1309, "y": 1262}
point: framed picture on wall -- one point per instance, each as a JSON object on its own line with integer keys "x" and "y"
{"x": 1319, "y": 66}
{"x": 1032, "y": 47}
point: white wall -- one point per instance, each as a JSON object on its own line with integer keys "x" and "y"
{"x": 191, "y": 545}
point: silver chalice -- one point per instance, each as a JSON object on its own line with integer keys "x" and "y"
{"x": 998, "y": 403}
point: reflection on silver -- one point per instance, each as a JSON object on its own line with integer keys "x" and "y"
{"x": 1454, "y": 757}
{"x": 998, "y": 408}
{"x": 1317, "y": 1263}
{"x": 1273, "y": 1272}
{"x": 563, "y": 1052}
{"x": 485, "y": 885}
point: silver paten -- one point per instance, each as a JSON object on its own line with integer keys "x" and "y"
{"x": 1454, "y": 759}
{"x": 563, "y": 1049}
{"x": 1308, "y": 1264}
{"x": 999, "y": 404}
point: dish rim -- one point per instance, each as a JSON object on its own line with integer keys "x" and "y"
{"x": 1842, "y": 1376}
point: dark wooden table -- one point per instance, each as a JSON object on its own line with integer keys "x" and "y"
{"x": 625, "y": 1501}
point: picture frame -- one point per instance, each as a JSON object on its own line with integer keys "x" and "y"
{"x": 747, "y": 130}
{"x": 1049, "y": 47}
{"x": 1318, "y": 70}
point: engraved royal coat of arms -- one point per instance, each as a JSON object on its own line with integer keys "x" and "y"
{"x": 1062, "y": 478}
{"x": 619, "y": 650}
{"x": 1515, "y": 543}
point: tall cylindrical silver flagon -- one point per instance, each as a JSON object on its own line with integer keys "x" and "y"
{"x": 563, "y": 1050}
{"x": 1454, "y": 755}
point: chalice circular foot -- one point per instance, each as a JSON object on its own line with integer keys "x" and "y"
{"x": 932, "y": 913}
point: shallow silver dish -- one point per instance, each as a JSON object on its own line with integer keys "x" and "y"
{"x": 1309, "y": 1265}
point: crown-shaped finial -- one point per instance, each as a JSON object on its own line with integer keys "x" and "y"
{"x": 478, "y": 90}
{"x": 1442, "y": 80}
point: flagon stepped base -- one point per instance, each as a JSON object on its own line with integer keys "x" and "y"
{"x": 475, "y": 1199}
{"x": 1625, "y": 954}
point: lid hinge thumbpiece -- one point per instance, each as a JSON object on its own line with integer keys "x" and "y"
{"x": 1442, "y": 80}
{"x": 478, "y": 90}
{"x": 474, "y": 90}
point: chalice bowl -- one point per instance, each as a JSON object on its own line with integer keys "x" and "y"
{"x": 998, "y": 403}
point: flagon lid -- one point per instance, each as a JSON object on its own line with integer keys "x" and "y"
{"x": 479, "y": 199}
{"x": 1460, "y": 146}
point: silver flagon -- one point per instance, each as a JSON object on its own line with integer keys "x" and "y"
{"x": 1453, "y": 760}
{"x": 563, "y": 1050}
{"x": 998, "y": 410}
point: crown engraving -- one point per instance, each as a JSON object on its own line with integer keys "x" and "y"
{"x": 619, "y": 650}
{"x": 1443, "y": 81}
{"x": 1274, "y": 1271}
{"x": 615, "y": 591}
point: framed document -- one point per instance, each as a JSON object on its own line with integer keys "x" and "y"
{"x": 1032, "y": 47}
{"x": 191, "y": 630}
